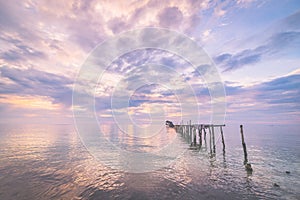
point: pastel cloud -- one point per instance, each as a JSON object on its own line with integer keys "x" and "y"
{"x": 44, "y": 43}
{"x": 170, "y": 17}
{"x": 267, "y": 101}
{"x": 278, "y": 42}
{"x": 33, "y": 82}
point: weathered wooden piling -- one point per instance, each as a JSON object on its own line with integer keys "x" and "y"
{"x": 204, "y": 137}
{"x": 244, "y": 146}
{"x": 195, "y": 136}
{"x": 200, "y": 135}
{"x": 213, "y": 139}
{"x": 210, "y": 140}
{"x": 190, "y": 127}
{"x": 223, "y": 142}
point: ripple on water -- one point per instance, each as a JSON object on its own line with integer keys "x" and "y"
{"x": 49, "y": 162}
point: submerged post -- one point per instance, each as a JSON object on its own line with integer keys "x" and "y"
{"x": 223, "y": 142}
{"x": 204, "y": 136}
{"x": 213, "y": 139}
{"x": 190, "y": 127}
{"x": 195, "y": 135}
{"x": 200, "y": 135}
{"x": 244, "y": 146}
{"x": 210, "y": 140}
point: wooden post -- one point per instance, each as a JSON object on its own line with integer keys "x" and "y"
{"x": 190, "y": 130}
{"x": 190, "y": 134}
{"x": 223, "y": 142}
{"x": 244, "y": 146}
{"x": 205, "y": 138}
{"x": 200, "y": 135}
{"x": 195, "y": 135}
{"x": 213, "y": 139}
{"x": 186, "y": 131}
{"x": 210, "y": 140}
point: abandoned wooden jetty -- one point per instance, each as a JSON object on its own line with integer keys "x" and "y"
{"x": 195, "y": 135}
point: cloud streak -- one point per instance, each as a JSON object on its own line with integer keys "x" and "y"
{"x": 37, "y": 83}
{"x": 279, "y": 42}
{"x": 44, "y": 43}
{"x": 274, "y": 98}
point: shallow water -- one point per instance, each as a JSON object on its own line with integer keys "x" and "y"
{"x": 50, "y": 162}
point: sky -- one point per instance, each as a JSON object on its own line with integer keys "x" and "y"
{"x": 253, "y": 44}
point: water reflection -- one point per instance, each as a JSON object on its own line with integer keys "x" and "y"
{"x": 49, "y": 162}
{"x": 130, "y": 140}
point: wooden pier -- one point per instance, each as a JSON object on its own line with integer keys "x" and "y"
{"x": 190, "y": 132}
{"x": 195, "y": 134}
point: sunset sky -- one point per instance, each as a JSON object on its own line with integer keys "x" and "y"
{"x": 255, "y": 46}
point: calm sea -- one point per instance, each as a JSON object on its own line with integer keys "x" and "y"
{"x": 50, "y": 162}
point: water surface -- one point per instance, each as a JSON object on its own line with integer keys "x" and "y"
{"x": 50, "y": 162}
